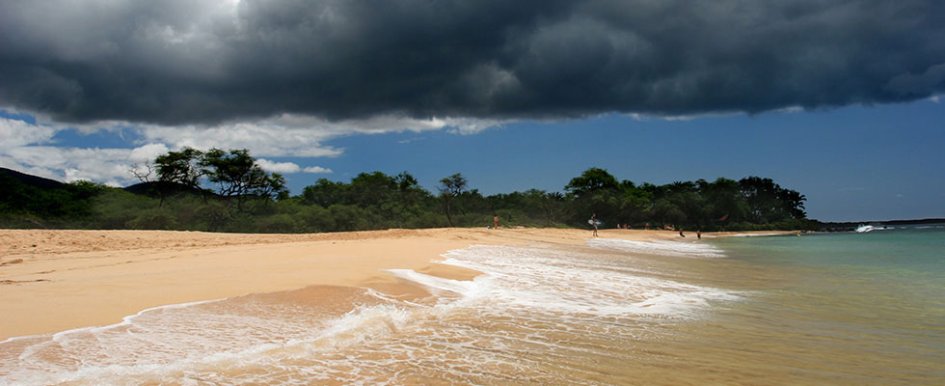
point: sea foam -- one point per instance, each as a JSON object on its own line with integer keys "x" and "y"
{"x": 521, "y": 312}
{"x": 570, "y": 282}
{"x": 658, "y": 247}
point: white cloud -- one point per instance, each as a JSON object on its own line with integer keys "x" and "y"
{"x": 30, "y": 147}
{"x": 790, "y": 109}
{"x": 289, "y": 167}
{"x": 147, "y": 153}
{"x": 15, "y": 133}
{"x": 469, "y": 126}
{"x": 108, "y": 166}
{"x": 640, "y": 117}
{"x": 317, "y": 170}
{"x": 277, "y": 136}
{"x": 300, "y": 135}
{"x": 278, "y": 167}
{"x": 260, "y": 139}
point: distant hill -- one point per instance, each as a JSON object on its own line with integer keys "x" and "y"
{"x": 8, "y": 175}
{"x": 30, "y": 199}
{"x": 915, "y": 222}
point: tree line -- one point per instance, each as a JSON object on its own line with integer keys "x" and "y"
{"x": 228, "y": 191}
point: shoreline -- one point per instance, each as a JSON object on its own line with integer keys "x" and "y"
{"x": 60, "y": 280}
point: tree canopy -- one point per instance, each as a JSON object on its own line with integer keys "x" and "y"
{"x": 229, "y": 191}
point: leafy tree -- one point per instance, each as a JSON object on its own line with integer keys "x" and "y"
{"x": 376, "y": 201}
{"x": 450, "y": 188}
{"x": 410, "y": 198}
{"x": 406, "y": 182}
{"x": 180, "y": 167}
{"x": 177, "y": 171}
{"x": 667, "y": 212}
{"x": 590, "y": 181}
{"x": 679, "y": 204}
{"x": 724, "y": 202}
{"x": 634, "y": 204}
{"x": 550, "y": 208}
{"x": 325, "y": 193}
{"x": 371, "y": 189}
{"x": 594, "y": 191}
{"x": 768, "y": 202}
{"x": 238, "y": 176}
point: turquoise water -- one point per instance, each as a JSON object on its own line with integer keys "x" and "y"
{"x": 900, "y": 250}
{"x": 841, "y": 308}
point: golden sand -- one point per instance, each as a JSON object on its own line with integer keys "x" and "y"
{"x": 54, "y": 280}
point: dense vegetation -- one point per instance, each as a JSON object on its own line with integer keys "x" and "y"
{"x": 227, "y": 191}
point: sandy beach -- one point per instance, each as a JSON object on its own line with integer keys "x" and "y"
{"x": 55, "y": 280}
{"x": 453, "y": 306}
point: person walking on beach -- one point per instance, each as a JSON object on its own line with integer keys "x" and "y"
{"x": 593, "y": 221}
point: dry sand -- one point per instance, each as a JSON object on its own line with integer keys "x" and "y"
{"x": 53, "y": 280}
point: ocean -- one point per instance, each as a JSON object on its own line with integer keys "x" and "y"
{"x": 837, "y": 309}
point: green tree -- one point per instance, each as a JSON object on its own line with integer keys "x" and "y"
{"x": 724, "y": 202}
{"x": 180, "y": 167}
{"x": 667, "y": 212}
{"x": 685, "y": 197}
{"x": 634, "y": 203}
{"x": 371, "y": 189}
{"x": 406, "y": 182}
{"x": 238, "y": 176}
{"x": 550, "y": 208}
{"x": 410, "y": 199}
{"x": 450, "y": 188}
{"x": 594, "y": 191}
{"x": 177, "y": 171}
{"x": 590, "y": 181}
{"x": 325, "y": 193}
{"x": 768, "y": 202}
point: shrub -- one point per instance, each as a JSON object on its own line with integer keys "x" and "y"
{"x": 279, "y": 223}
{"x": 155, "y": 219}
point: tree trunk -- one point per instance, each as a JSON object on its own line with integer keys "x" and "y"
{"x": 449, "y": 219}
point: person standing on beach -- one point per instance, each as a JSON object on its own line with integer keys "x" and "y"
{"x": 593, "y": 221}
{"x": 495, "y": 221}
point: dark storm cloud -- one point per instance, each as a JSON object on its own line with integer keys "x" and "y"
{"x": 176, "y": 62}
